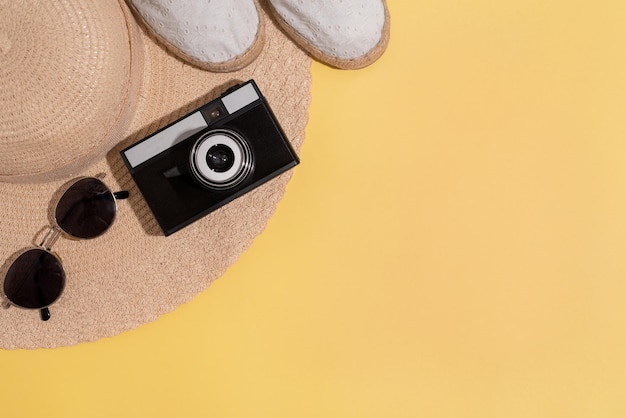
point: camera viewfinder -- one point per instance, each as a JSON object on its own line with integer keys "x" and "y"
{"x": 213, "y": 113}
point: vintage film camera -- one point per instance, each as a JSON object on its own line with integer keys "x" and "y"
{"x": 209, "y": 157}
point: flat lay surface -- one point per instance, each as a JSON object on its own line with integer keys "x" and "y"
{"x": 451, "y": 245}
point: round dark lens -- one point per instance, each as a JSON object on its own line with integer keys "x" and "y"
{"x": 35, "y": 279}
{"x": 86, "y": 209}
{"x": 220, "y": 158}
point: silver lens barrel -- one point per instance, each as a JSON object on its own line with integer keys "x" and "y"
{"x": 221, "y": 159}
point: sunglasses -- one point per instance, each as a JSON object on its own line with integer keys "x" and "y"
{"x": 36, "y": 279}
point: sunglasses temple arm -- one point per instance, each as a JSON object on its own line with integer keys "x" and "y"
{"x": 44, "y": 313}
{"x": 121, "y": 195}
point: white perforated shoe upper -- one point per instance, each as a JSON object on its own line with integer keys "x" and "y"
{"x": 341, "y": 29}
{"x": 206, "y": 31}
{"x": 225, "y": 35}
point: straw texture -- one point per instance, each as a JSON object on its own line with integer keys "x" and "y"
{"x": 67, "y": 91}
{"x": 133, "y": 274}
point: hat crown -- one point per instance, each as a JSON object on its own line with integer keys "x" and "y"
{"x": 65, "y": 70}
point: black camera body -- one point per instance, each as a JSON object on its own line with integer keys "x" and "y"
{"x": 209, "y": 157}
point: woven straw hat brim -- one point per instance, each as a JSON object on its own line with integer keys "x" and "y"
{"x": 133, "y": 274}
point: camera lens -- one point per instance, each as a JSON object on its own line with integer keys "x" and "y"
{"x": 220, "y": 158}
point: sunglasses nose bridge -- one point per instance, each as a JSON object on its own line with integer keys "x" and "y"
{"x": 50, "y": 237}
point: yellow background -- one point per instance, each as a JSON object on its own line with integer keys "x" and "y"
{"x": 452, "y": 245}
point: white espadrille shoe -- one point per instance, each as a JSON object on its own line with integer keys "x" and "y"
{"x": 347, "y": 34}
{"x": 217, "y": 35}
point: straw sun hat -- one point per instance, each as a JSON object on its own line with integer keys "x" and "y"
{"x": 80, "y": 82}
